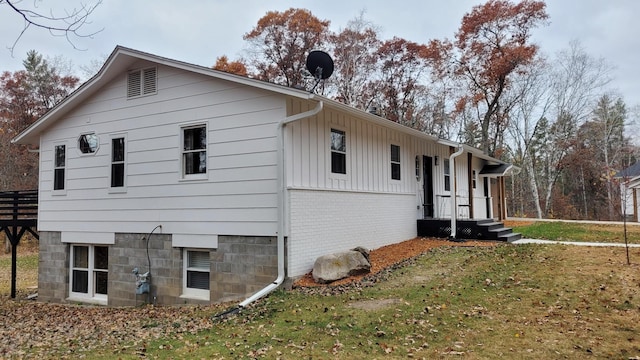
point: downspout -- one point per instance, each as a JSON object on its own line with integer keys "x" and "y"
{"x": 282, "y": 184}
{"x": 452, "y": 183}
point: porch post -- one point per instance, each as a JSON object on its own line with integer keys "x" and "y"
{"x": 635, "y": 205}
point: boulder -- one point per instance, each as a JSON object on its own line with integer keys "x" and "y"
{"x": 336, "y": 266}
{"x": 363, "y": 251}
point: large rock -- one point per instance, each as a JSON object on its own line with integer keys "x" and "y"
{"x": 332, "y": 267}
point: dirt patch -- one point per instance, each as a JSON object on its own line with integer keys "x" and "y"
{"x": 388, "y": 256}
{"x": 371, "y": 305}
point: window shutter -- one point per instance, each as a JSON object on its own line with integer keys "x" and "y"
{"x": 150, "y": 81}
{"x": 134, "y": 82}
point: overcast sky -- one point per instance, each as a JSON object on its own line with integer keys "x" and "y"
{"x": 199, "y": 31}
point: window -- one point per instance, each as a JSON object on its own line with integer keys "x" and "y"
{"x": 395, "y": 162}
{"x": 89, "y": 272}
{"x": 338, "y": 152}
{"x": 88, "y": 143}
{"x": 58, "y": 167}
{"x": 141, "y": 82}
{"x": 194, "y": 150}
{"x": 474, "y": 178}
{"x": 196, "y": 274}
{"x": 447, "y": 175}
{"x": 117, "y": 162}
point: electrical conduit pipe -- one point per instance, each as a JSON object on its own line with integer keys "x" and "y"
{"x": 452, "y": 183}
{"x": 281, "y": 202}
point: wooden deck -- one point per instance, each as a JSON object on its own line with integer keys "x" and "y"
{"x": 18, "y": 216}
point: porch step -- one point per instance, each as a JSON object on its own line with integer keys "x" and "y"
{"x": 484, "y": 229}
{"x": 511, "y": 237}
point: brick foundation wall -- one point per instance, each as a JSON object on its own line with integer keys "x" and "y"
{"x": 324, "y": 222}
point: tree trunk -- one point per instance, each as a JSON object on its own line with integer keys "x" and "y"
{"x": 533, "y": 184}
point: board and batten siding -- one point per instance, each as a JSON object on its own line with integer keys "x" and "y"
{"x": 364, "y": 207}
{"x": 368, "y": 154}
{"x": 239, "y": 196}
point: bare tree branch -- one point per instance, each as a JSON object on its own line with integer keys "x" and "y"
{"x": 68, "y": 25}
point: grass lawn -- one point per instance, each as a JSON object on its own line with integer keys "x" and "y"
{"x": 571, "y": 231}
{"x": 535, "y": 302}
{"x": 507, "y": 301}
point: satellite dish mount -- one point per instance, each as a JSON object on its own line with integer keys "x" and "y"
{"x": 320, "y": 65}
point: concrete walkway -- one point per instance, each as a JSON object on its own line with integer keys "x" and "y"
{"x": 579, "y": 243}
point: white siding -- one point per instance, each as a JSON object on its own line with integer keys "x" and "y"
{"x": 237, "y": 198}
{"x": 368, "y": 155}
{"x": 319, "y": 226}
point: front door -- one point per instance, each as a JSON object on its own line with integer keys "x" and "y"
{"x": 427, "y": 185}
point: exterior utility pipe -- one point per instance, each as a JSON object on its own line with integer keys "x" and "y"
{"x": 452, "y": 186}
{"x": 282, "y": 184}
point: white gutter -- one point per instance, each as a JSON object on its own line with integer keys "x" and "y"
{"x": 282, "y": 184}
{"x": 452, "y": 183}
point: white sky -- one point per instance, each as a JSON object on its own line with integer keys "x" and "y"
{"x": 198, "y": 31}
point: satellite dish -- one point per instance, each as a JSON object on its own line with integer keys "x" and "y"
{"x": 320, "y": 65}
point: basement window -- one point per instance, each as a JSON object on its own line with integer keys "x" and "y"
{"x": 89, "y": 273}
{"x": 197, "y": 268}
{"x": 142, "y": 82}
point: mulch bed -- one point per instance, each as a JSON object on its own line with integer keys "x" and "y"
{"x": 386, "y": 259}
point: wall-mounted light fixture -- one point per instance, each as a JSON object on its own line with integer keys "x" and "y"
{"x": 436, "y": 160}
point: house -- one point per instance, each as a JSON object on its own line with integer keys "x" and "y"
{"x": 629, "y": 179}
{"x": 222, "y": 186}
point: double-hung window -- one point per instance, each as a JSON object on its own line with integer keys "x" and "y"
{"x": 117, "y": 162}
{"x": 474, "y": 179}
{"x": 338, "y": 152}
{"x": 395, "y": 162}
{"x": 58, "y": 167}
{"x": 447, "y": 175}
{"x": 197, "y": 269}
{"x": 194, "y": 151}
{"x": 89, "y": 272}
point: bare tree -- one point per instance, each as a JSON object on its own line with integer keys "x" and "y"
{"x": 66, "y": 23}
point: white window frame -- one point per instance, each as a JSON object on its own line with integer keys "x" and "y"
{"x": 333, "y": 128}
{"x": 474, "y": 179}
{"x": 123, "y": 188}
{"x": 446, "y": 168}
{"x": 193, "y": 293}
{"x": 79, "y": 148}
{"x": 62, "y": 191}
{"x": 197, "y": 176}
{"x": 393, "y": 162}
{"x": 90, "y": 296}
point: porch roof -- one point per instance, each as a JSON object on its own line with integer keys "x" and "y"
{"x": 495, "y": 170}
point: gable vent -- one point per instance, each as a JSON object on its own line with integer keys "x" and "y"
{"x": 142, "y": 82}
{"x": 149, "y": 81}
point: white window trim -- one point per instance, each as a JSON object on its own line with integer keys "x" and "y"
{"x": 474, "y": 180}
{"x": 191, "y": 177}
{"x": 198, "y": 294}
{"x": 62, "y": 191}
{"x": 123, "y": 188}
{"x": 446, "y": 176}
{"x": 347, "y": 162}
{"x": 90, "y": 297}
{"x": 80, "y": 153}
{"x": 391, "y": 162}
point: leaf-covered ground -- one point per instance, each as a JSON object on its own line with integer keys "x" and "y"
{"x": 502, "y": 301}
